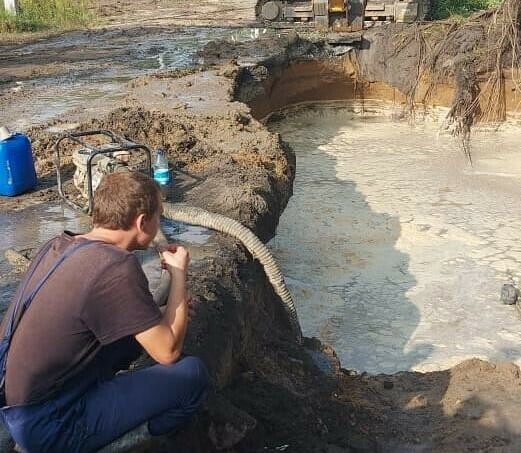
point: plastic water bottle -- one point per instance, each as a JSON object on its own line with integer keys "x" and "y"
{"x": 161, "y": 170}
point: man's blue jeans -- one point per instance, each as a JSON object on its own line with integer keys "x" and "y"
{"x": 83, "y": 419}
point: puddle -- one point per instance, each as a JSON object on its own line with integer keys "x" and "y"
{"x": 394, "y": 248}
{"x": 33, "y": 226}
{"x": 185, "y": 233}
{"x": 30, "y": 229}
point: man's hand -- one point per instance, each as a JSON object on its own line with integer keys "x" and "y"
{"x": 175, "y": 258}
{"x": 164, "y": 342}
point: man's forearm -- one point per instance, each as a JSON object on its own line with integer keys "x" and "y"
{"x": 176, "y": 313}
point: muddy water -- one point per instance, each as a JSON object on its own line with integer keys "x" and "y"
{"x": 394, "y": 247}
{"x": 82, "y": 74}
{"x": 28, "y": 230}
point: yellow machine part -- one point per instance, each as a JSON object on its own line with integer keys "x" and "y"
{"x": 337, "y": 6}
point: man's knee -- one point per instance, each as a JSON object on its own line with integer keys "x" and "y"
{"x": 199, "y": 371}
{"x": 196, "y": 373}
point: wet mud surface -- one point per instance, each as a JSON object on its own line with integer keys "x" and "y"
{"x": 85, "y": 74}
{"x": 269, "y": 393}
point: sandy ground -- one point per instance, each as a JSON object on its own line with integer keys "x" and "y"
{"x": 117, "y": 14}
{"x": 217, "y": 13}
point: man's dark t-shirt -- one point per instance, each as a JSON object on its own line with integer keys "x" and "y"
{"x": 97, "y": 297}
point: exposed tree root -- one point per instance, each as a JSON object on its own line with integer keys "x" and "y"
{"x": 493, "y": 50}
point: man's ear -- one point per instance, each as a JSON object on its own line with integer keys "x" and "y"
{"x": 140, "y": 222}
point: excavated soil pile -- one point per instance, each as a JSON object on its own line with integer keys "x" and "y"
{"x": 243, "y": 172}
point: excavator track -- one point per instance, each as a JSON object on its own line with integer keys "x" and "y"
{"x": 327, "y": 15}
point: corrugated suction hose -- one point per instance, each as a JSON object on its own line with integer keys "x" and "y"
{"x": 218, "y": 222}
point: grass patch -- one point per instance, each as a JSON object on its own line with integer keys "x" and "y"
{"x": 38, "y": 15}
{"x": 442, "y": 9}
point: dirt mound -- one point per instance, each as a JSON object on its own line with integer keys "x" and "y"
{"x": 244, "y": 172}
{"x": 471, "y": 407}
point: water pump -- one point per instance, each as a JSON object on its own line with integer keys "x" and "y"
{"x": 92, "y": 162}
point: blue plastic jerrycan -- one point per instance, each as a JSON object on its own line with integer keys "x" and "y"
{"x": 17, "y": 173}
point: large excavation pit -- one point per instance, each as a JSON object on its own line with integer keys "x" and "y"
{"x": 394, "y": 246}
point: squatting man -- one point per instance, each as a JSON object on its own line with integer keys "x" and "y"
{"x": 82, "y": 313}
